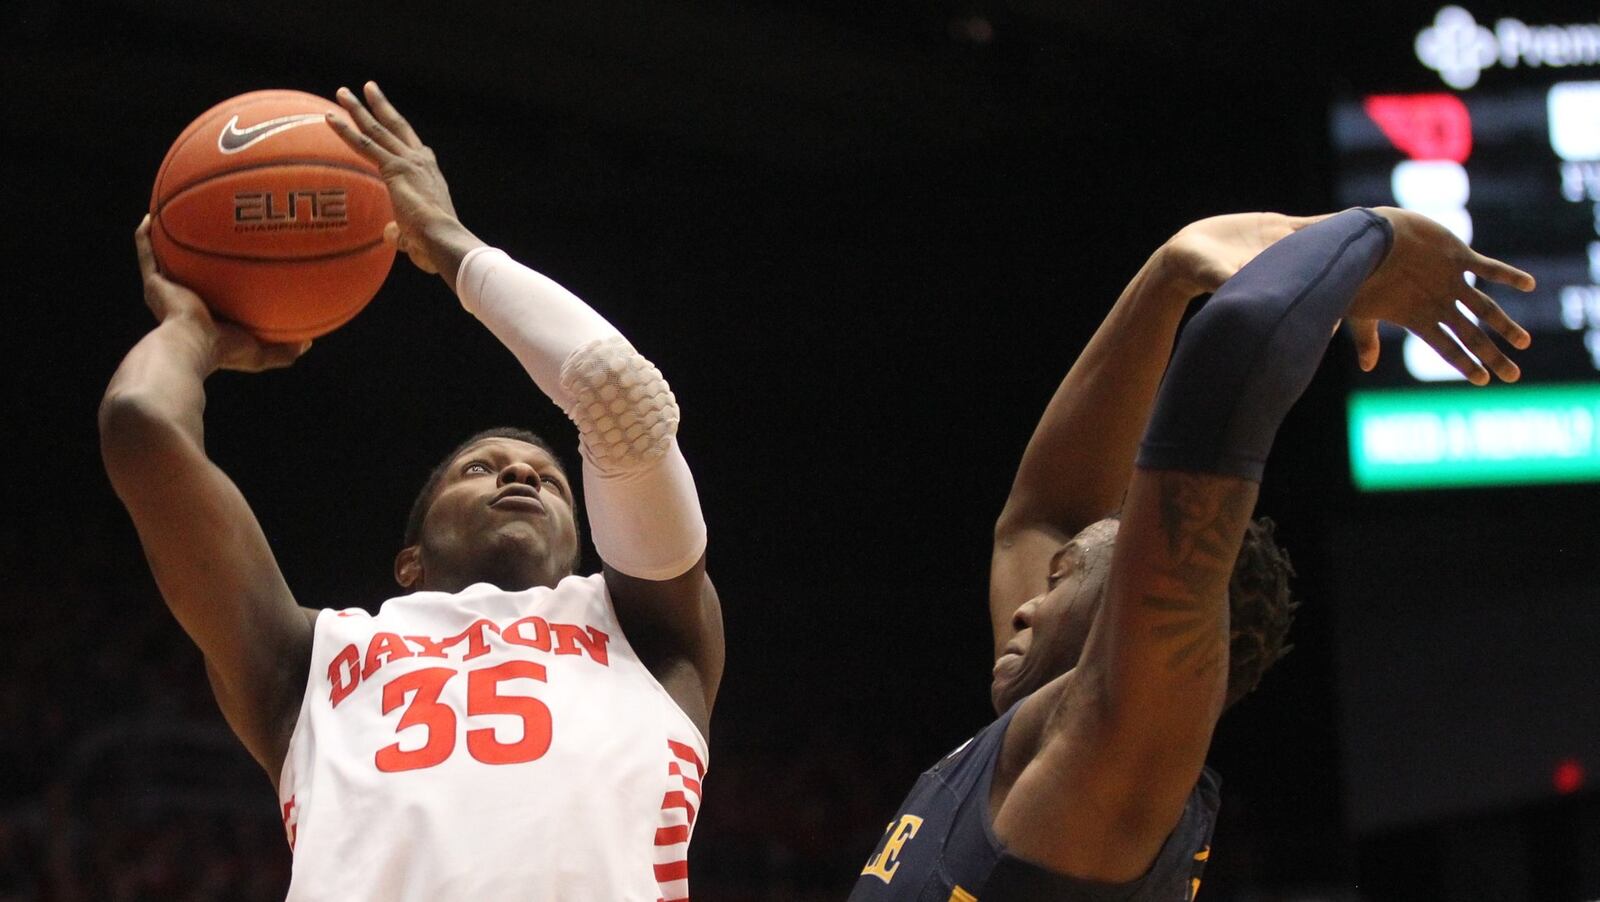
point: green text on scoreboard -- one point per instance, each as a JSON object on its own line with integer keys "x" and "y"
{"x": 1502, "y": 435}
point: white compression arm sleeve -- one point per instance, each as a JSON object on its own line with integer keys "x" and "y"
{"x": 643, "y": 510}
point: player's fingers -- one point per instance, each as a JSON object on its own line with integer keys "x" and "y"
{"x": 1365, "y": 334}
{"x": 1498, "y": 271}
{"x": 245, "y": 354}
{"x": 391, "y": 234}
{"x": 277, "y": 356}
{"x": 1453, "y": 354}
{"x": 367, "y": 123}
{"x": 141, "y": 246}
{"x": 1483, "y": 347}
{"x": 389, "y": 116}
{"x": 1490, "y": 314}
{"x": 359, "y": 142}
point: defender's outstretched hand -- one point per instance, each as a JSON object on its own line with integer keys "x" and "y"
{"x": 1417, "y": 286}
{"x": 426, "y": 227}
{"x": 233, "y": 348}
{"x": 1209, "y": 251}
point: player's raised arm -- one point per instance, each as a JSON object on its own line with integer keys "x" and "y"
{"x": 643, "y": 511}
{"x": 1078, "y": 462}
{"x": 1128, "y": 729}
{"x": 206, "y": 549}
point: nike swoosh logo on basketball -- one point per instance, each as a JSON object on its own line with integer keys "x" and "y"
{"x": 233, "y": 139}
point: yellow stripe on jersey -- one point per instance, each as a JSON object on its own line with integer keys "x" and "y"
{"x": 960, "y": 895}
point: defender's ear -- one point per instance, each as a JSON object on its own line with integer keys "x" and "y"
{"x": 408, "y": 566}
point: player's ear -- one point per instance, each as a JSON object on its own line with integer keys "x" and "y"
{"x": 408, "y": 566}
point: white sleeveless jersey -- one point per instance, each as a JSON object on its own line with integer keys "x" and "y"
{"x": 488, "y": 745}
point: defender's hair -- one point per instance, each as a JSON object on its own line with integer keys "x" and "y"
{"x": 419, "y": 507}
{"x": 1260, "y": 609}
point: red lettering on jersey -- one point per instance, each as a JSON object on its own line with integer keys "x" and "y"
{"x": 541, "y": 633}
{"x": 476, "y": 637}
{"x": 344, "y": 672}
{"x": 432, "y": 648}
{"x": 385, "y": 648}
{"x": 477, "y": 641}
{"x": 569, "y": 637}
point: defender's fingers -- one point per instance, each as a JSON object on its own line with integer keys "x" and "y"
{"x": 1364, "y": 332}
{"x": 1489, "y": 313}
{"x": 367, "y": 123}
{"x": 389, "y": 116}
{"x": 1483, "y": 347}
{"x": 1499, "y": 271}
{"x": 1455, "y": 355}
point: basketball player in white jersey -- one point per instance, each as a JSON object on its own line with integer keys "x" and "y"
{"x": 508, "y": 729}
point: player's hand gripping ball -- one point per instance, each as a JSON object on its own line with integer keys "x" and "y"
{"x": 263, "y": 211}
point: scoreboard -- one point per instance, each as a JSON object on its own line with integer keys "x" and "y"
{"x": 1504, "y": 150}
{"x": 1467, "y": 624}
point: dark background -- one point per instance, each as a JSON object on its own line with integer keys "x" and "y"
{"x": 864, "y": 241}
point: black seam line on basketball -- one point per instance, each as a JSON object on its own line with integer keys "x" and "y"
{"x": 311, "y": 258}
{"x": 325, "y": 164}
{"x": 199, "y": 125}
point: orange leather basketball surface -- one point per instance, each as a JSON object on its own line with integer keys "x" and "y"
{"x": 263, "y": 211}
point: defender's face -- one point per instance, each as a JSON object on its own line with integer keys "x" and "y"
{"x": 1053, "y": 627}
{"x": 501, "y": 499}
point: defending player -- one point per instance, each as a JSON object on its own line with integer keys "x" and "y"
{"x": 508, "y": 730}
{"x": 1113, "y": 635}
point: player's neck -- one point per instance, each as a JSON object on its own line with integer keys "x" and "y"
{"x": 509, "y": 575}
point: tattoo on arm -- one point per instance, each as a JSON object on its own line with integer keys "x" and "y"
{"x": 1202, "y": 518}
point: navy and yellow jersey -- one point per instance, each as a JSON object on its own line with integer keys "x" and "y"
{"x": 941, "y": 846}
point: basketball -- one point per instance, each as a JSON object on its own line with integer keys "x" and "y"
{"x": 266, "y": 214}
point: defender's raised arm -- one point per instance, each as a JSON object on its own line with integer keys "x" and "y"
{"x": 1128, "y": 728}
{"x": 1077, "y": 464}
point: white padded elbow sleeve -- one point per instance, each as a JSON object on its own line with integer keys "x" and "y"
{"x": 625, "y": 413}
{"x": 643, "y": 511}
{"x": 641, "y": 498}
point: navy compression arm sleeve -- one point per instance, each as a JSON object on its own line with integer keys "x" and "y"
{"x": 1244, "y": 360}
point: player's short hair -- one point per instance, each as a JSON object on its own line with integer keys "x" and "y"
{"x": 1260, "y": 608}
{"x": 419, "y": 507}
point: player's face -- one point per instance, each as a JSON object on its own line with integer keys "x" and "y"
{"x": 1053, "y": 627}
{"x": 502, "y": 514}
